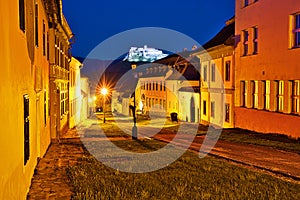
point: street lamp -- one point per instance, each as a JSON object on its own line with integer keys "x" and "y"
{"x": 104, "y": 93}
{"x": 134, "y": 128}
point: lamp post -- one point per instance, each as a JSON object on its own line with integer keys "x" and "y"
{"x": 134, "y": 128}
{"x": 104, "y": 93}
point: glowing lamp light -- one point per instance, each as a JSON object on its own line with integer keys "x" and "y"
{"x": 104, "y": 91}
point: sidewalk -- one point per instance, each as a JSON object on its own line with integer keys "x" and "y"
{"x": 50, "y": 180}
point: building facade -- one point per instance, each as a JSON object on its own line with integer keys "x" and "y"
{"x": 267, "y": 68}
{"x": 217, "y": 78}
{"x": 75, "y": 96}
{"x": 25, "y": 91}
{"x": 60, "y": 36}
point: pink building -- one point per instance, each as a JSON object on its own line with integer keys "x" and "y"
{"x": 267, "y": 66}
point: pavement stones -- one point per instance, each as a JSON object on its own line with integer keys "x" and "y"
{"x": 50, "y": 180}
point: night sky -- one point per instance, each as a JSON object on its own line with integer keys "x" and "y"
{"x": 93, "y": 21}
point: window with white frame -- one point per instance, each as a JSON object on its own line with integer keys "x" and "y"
{"x": 280, "y": 104}
{"x": 296, "y": 30}
{"x": 296, "y": 97}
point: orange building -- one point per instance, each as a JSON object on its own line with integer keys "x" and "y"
{"x": 267, "y": 66}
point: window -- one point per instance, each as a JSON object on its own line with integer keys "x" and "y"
{"x": 227, "y": 71}
{"x": 227, "y": 112}
{"x": 204, "y": 107}
{"x": 254, "y": 94}
{"x": 36, "y": 18}
{"x": 213, "y": 72}
{"x": 44, "y": 38}
{"x": 48, "y": 49}
{"x": 255, "y": 40}
{"x": 45, "y": 107}
{"x": 280, "y": 96}
{"x": 243, "y": 88}
{"x": 296, "y": 31}
{"x": 245, "y": 42}
{"x": 26, "y": 128}
{"x": 205, "y": 73}
{"x": 296, "y": 97}
{"x": 212, "y": 109}
{"x": 22, "y": 15}
{"x": 63, "y": 100}
{"x": 161, "y": 86}
{"x": 246, "y": 3}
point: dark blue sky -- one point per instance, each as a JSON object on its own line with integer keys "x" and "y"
{"x": 93, "y": 21}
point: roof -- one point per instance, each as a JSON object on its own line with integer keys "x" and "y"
{"x": 223, "y": 37}
{"x": 190, "y": 89}
{"x": 189, "y": 73}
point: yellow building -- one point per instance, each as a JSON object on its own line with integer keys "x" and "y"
{"x": 267, "y": 66}
{"x": 217, "y": 78}
{"x": 25, "y": 92}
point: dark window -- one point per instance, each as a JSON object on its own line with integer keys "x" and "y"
{"x": 212, "y": 109}
{"x": 245, "y": 43}
{"x": 45, "y": 107}
{"x": 204, "y": 107}
{"x": 36, "y": 25}
{"x": 44, "y": 38}
{"x": 213, "y": 72}
{"x": 205, "y": 73}
{"x": 255, "y": 40}
{"x": 26, "y": 128}
{"x": 227, "y": 112}
{"x": 246, "y": 3}
{"x": 22, "y": 15}
{"x": 296, "y": 31}
{"x": 243, "y": 93}
{"x": 227, "y": 71}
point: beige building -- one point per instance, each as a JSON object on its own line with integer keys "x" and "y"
{"x": 217, "y": 78}
{"x": 59, "y": 57}
{"x": 267, "y": 66}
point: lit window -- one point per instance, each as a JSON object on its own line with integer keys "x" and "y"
{"x": 296, "y": 30}
{"x": 245, "y": 42}
{"x": 267, "y": 90}
{"x": 255, "y": 40}
{"x": 254, "y": 94}
{"x": 296, "y": 97}
{"x": 213, "y": 72}
{"x": 227, "y": 71}
{"x": 280, "y": 96}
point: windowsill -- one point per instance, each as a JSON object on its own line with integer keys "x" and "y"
{"x": 265, "y": 110}
{"x": 253, "y": 54}
{"x": 294, "y": 47}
